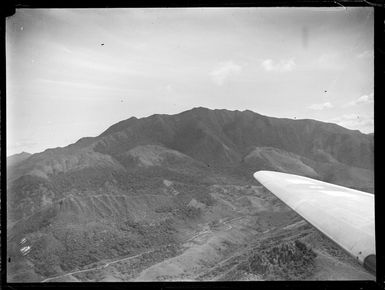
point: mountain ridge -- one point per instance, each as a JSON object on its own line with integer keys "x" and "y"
{"x": 86, "y": 140}
{"x": 221, "y": 137}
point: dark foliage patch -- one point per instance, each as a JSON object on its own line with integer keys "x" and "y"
{"x": 288, "y": 261}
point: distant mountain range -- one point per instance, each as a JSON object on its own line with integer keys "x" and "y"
{"x": 218, "y": 138}
{"x": 193, "y": 149}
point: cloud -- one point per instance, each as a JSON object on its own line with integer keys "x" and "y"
{"x": 365, "y": 99}
{"x": 169, "y": 88}
{"x": 329, "y": 61}
{"x": 364, "y": 123}
{"x": 322, "y": 106}
{"x": 366, "y": 54}
{"x": 224, "y": 71}
{"x": 281, "y": 66}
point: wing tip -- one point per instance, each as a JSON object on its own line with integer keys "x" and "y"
{"x": 262, "y": 173}
{"x": 370, "y": 263}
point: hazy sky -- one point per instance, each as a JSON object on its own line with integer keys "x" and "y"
{"x": 63, "y": 84}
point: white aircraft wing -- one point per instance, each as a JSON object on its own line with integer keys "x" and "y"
{"x": 344, "y": 215}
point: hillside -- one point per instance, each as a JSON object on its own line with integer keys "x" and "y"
{"x": 17, "y": 158}
{"x": 173, "y": 186}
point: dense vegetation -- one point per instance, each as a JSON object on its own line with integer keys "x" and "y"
{"x": 287, "y": 261}
{"x": 71, "y": 248}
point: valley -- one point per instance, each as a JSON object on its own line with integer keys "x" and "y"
{"x": 217, "y": 244}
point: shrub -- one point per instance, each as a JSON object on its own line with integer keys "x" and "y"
{"x": 289, "y": 261}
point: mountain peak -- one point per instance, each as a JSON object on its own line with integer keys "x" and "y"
{"x": 200, "y": 109}
{"x": 119, "y": 126}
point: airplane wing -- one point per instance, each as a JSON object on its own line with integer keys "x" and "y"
{"x": 344, "y": 215}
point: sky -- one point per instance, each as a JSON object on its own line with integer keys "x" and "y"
{"x": 72, "y": 73}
